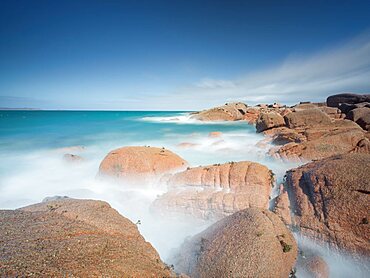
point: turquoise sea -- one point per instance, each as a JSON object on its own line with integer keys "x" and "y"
{"x": 33, "y": 143}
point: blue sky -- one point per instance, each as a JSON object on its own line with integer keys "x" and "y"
{"x": 180, "y": 55}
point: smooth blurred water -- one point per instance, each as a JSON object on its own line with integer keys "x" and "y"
{"x": 32, "y": 145}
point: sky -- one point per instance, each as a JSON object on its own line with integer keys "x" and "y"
{"x": 180, "y": 55}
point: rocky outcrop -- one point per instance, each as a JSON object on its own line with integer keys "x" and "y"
{"x": 251, "y": 115}
{"x": 336, "y": 100}
{"x": 214, "y": 191}
{"x": 269, "y": 120}
{"x": 345, "y": 107}
{"x": 140, "y": 165}
{"x": 330, "y": 198}
{"x": 361, "y": 116}
{"x": 75, "y": 238}
{"x": 249, "y": 243}
{"x": 323, "y": 142}
{"x": 227, "y": 112}
{"x": 284, "y": 135}
{"x": 307, "y": 118}
{"x": 332, "y": 112}
{"x": 311, "y": 134}
{"x": 355, "y": 107}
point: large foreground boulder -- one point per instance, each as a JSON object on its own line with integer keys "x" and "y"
{"x": 140, "y": 165}
{"x": 330, "y": 201}
{"x": 249, "y": 243}
{"x": 215, "y": 191}
{"x": 227, "y": 112}
{"x": 74, "y": 238}
{"x": 336, "y": 100}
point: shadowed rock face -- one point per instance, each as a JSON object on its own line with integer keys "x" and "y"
{"x": 214, "y": 191}
{"x": 79, "y": 238}
{"x": 249, "y": 243}
{"x": 336, "y": 100}
{"x": 361, "y": 116}
{"x": 330, "y": 200}
{"x": 140, "y": 165}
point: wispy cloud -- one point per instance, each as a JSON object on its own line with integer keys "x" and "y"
{"x": 344, "y": 68}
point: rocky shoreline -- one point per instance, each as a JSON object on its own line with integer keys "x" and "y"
{"x": 325, "y": 199}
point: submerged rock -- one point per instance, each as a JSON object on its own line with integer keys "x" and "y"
{"x": 214, "y": 191}
{"x": 140, "y": 165}
{"x": 214, "y": 134}
{"x": 330, "y": 199}
{"x": 315, "y": 267}
{"x": 76, "y": 238}
{"x": 249, "y": 243}
{"x": 72, "y": 158}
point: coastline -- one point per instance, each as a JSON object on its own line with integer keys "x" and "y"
{"x": 297, "y": 136}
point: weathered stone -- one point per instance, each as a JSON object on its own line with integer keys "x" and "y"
{"x": 214, "y": 191}
{"x": 76, "y": 238}
{"x": 361, "y": 116}
{"x": 269, "y": 120}
{"x": 249, "y": 243}
{"x": 330, "y": 200}
{"x": 140, "y": 165}
{"x": 307, "y": 118}
{"x": 227, "y": 112}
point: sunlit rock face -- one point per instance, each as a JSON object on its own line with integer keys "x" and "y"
{"x": 140, "y": 165}
{"x": 214, "y": 191}
{"x": 249, "y": 243}
{"x": 79, "y": 238}
{"x": 329, "y": 200}
{"x": 307, "y": 118}
{"x": 311, "y": 134}
{"x": 269, "y": 120}
{"x": 227, "y": 112}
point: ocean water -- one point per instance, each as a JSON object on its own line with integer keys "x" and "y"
{"x": 32, "y": 145}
